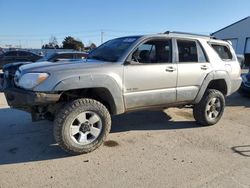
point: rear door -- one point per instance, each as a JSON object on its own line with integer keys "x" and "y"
{"x": 151, "y": 79}
{"x": 193, "y": 66}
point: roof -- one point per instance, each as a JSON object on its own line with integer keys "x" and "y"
{"x": 70, "y": 52}
{"x": 18, "y": 50}
{"x": 185, "y": 34}
{"x": 231, "y": 24}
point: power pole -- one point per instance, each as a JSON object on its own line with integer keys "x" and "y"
{"x": 102, "y": 33}
{"x": 41, "y": 43}
{"x": 20, "y": 44}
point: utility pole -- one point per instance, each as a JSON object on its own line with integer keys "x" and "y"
{"x": 41, "y": 43}
{"x": 27, "y": 43}
{"x": 20, "y": 44}
{"x": 102, "y": 33}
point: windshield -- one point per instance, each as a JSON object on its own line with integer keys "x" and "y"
{"x": 112, "y": 50}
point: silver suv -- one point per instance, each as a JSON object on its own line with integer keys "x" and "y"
{"x": 124, "y": 75}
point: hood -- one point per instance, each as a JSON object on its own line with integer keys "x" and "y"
{"x": 14, "y": 65}
{"x": 34, "y": 65}
{"x": 59, "y": 66}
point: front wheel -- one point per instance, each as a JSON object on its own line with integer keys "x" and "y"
{"x": 82, "y": 126}
{"x": 210, "y": 109}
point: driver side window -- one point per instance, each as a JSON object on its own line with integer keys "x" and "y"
{"x": 153, "y": 51}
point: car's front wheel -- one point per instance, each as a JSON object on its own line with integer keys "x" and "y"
{"x": 82, "y": 126}
{"x": 210, "y": 109}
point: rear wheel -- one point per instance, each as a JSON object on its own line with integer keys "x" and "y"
{"x": 210, "y": 109}
{"x": 82, "y": 126}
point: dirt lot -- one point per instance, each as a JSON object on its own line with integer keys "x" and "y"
{"x": 144, "y": 149}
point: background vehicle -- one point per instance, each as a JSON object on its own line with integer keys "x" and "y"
{"x": 241, "y": 60}
{"x": 54, "y": 57}
{"x": 59, "y": 56}
{"x": 17, "y": 56}
{"x": 245, "y": 85}
{"x": 123, "y": 75}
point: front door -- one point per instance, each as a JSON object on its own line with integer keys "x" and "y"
{"x": 151, "y": 77}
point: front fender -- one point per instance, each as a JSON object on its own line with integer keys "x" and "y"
{"x": 95, "y": 81}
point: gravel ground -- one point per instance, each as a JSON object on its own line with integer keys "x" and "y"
{"x": 144, "y": 149}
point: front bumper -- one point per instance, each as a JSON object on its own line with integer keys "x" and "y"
{"x": 20, "y": 98}
{"x": 1, "y": 82}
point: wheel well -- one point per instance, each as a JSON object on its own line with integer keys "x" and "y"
{"x": 219, "y": 85}
{"x": 102, "y": 95}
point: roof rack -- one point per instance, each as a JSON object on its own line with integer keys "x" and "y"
{"x": 191, "y": 34}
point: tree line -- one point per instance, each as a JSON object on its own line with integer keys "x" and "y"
{"x": 68, "y": 43}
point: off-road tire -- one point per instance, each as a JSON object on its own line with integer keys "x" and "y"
{"x": 64, "y": 118}
{"x": 200, "y": 112}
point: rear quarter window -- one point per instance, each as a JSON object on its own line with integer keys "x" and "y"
{"x": 223, "y": 51}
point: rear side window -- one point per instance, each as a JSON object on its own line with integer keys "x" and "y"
{"x": 65, "y": 56}
{"x": 187, "y": 51}
{"x": 191, "y": 51}
{"x": 223, "y": 51}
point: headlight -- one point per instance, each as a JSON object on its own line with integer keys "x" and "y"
{"x": 31, "y": 80}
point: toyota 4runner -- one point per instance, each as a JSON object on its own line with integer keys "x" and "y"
{"x": 122, "y": 75}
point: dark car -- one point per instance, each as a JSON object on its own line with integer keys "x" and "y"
{"x": 245, "y": 85}
{"x": 59, "y": 56}
{"x": 241, "y": 60}
{"x": 54, "y": 57}
{"x": 17, "y": 56}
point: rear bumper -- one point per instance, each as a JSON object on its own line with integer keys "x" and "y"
{"x": 20, "y": 98}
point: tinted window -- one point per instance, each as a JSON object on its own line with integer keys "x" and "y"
{"x": 223, "y": 51}
{"x": 10, "y": 54}
{"x": 65, "y": 56}
{"x": 201, "y": 54}
{"x": 24, "y": 54}
{"x": 112, "y": 50}
{"x": 187, "y": 51}
{"x": 155, "y": 51}
{"x": 79, "y": 56}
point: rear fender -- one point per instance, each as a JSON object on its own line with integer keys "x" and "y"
{"x": 215, "y": 75}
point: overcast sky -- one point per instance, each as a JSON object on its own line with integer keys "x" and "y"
{"x": 32, "y": 22}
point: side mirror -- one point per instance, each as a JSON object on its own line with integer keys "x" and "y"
{"x": 131, "y": 62}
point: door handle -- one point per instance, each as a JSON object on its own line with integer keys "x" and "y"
{"x": 204, "y": 67}
{"x": 170, "y": 69}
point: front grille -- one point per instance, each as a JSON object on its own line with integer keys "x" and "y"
{"x": 247, "y": 84}
{"x": 8, "y": 80}
{"x": 6, "y": 74}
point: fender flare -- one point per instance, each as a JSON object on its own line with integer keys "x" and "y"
{"x": 214, "y": 75}
{"x": 94, "y": 81}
